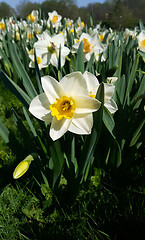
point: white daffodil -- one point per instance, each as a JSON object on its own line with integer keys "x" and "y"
{"x": 91, "y": 44}
{"x": 2, "y": 26}
{"x": 41, "y": 61}
{"x": 55, "y": 19}
{"x": 69, "y": 23}
{"x": 93, "y": 85}
{"x": 33, "y": 17}
{"x": 66, "y": 104}
{"x": 48, "y": 47}
{"x": 141, "y": 40}
{"x": 131, "y": 33}
{"x": 80, "y": 23}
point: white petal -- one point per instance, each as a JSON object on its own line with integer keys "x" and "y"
{"x": 85, "y": 35}
{"x": 59, "y": 128}
{"x": 58, "y": 40}
{"x": 65, "y": 51}
{"x": 52, "y": 88}
{"x": 108, "y": 91}
{"x": 85, "y": 104}
{"x": 39, "y": 107}
{"x": 75, "y": 84}
{"x": 91, "y": 80}
{"x": 111, "y": 106}
{"x": 54, "y": 60}
{"x": 81, "y": 124}
{"x": 41, "y": 46}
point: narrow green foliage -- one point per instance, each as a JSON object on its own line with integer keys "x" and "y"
{"x": 80, "y": 58}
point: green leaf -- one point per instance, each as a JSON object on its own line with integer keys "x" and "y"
{"x": 73, "y": 158}
{"x": 120, "y": 86}
{"x": 142, "y": 54}
{"x": 38, "y": 76}
{"x": 29, "y": 122}
{"x": 108, "y": 120}
{"x": 4, "y": 132}
{"x": 137, "y": 133}
{"x": 29, "y": 144}
{"x": 58, "y": 160}
{"x": 90, "y": 63}
{"x": 131, "y": 79}
{"x": 27, "y": 83}
{"x": 15, "y": 89}
{"x": 80, "y": 58}
{"x": 92, "y": 139}
{"x": 6, "y": 61}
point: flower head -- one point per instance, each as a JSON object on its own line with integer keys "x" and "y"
{"x": 49, "y": 48}
{"x": 66, "y": 104}
{"x": 54, "y": 18}
{"x": 141, "y": 40}
{"x": 33, "y": 17}
{"x": 91, "y": 44}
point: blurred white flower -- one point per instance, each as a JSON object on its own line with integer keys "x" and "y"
{"x": 54, "y": 18}
{"x": 33, "y": 17}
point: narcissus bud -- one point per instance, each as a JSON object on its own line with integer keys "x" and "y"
{"x": 23, "y": 166}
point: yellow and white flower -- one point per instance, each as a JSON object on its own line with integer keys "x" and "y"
{"x": 33, "y": 17}
{"x": 66, "y": 104}
{"x": 41, "y": 61}
{"x": 55, "y": 19}
{"x": 141, "y": 40}
{"x": 49, "y": 48}
{"x": 91, "y": 44}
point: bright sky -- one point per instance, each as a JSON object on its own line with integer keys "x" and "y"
{"x": 80, "y": 3}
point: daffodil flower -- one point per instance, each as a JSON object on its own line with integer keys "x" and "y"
{"x": 33, "y": 17}
{"x": 66, "y": 104}
{"x": 91, "y": 44}
{"x": 41, "y": 61}
{"x": 141, "y": 40}
{"x": 93, "y": 85}
{"x": 49, "y": 48}
{"x": 55, "y": 18}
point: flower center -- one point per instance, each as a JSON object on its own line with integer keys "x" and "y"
{"x": 91, "y": 94}
{"x": 101, "y": 37}
{"x": 142, "y": 43}
{"x": 71, "y": 31}
{"x": 86, "y": 45}
{"x": 51, "y": 48}
{"x": 54, "y": 19}
{"x": 63, "y": 108}
{"x": 32, "y": 18}
{"x": 83, "y": 24}
{"x": 2, "y": 26}
{"x": 38, "y": 60}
